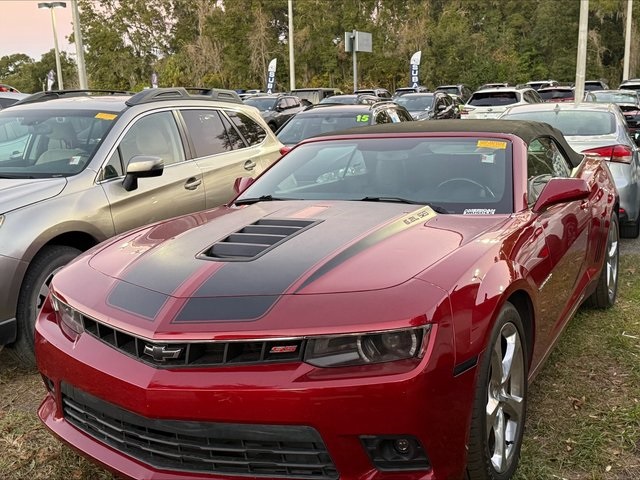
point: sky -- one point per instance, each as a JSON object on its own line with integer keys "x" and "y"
{"x": 25, "y": 28}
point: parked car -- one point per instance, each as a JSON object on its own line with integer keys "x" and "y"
{"x": 461, "y": 90}
{"x": 595, "y": 85}
{"x": 315, "y": 95}
{"x": 8, "y": 88}
{"x": 377, "y": 92}
{"x": 352, "y": 99}
{"x": 322, "y": 119}
{"x": 402, "y": 90}
{"x": 627, "y": 100}
{"x": 599, "y": 130}
{"x": 9, "y": 98}
{"x": 373, "y": 306}
{"x": 429, "y": 106}
{"x": 276, "y": 109}
{"x": 630, "y": 84}
{"x": 559, "y": 93}
{"x": 491, "y": 102}
{"x": 495, "y": 85}
{"x": 76, "y": 169}
{"x": 538, "y": 84}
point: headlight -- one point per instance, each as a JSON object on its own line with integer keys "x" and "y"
{"x": 70, "y": 320}
{"x": 348, "y": 350}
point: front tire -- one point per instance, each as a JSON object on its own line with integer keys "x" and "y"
{"x": 499, "y": 410}
{"x": 34, "y": 290}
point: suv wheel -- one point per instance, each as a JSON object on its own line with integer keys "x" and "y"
{"x": 34, "y": 291}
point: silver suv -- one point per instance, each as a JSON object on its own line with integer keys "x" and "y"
{"x": 77, "y": 168}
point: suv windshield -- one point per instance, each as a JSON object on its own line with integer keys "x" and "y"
{"x": 50, "y": 143}
{"x": 422, "y": 102}
{"x": 613, "y": 97}
{"x": 490, "y": 99}
{"x": 460, "y": 175}
{"x": 553, "y": 94}
{"x": 261, "y": 104}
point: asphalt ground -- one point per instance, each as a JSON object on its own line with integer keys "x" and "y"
{"x": 630, "y": 246}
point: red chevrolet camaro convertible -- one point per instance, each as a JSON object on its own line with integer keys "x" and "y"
{"x": 372, "y": 307}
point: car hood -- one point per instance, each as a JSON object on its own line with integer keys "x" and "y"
{"x": 342, "y": 246}
{"x": 18, "y": 193}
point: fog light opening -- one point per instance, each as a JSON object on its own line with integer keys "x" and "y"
{"x": 396, "y": 453}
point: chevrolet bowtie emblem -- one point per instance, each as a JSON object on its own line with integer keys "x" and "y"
{"x": 162, "y": 353}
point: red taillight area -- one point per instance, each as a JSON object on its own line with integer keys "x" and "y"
{"x": 284, "y": 150}
{"x": 612, "y": 153}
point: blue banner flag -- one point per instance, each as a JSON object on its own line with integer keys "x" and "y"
{"x": 414, "y": 66}
{"x": 271, "y": 76}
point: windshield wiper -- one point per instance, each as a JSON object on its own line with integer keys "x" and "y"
{"x": 16, "y": 176}
{"x": 435, "y": 208}
{"x": 263, "y": 198}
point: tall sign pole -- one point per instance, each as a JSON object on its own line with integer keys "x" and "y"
{"x": 581, "y": 61}
{"x": 355, "y": 41}
{"x": 627, "y": 41}
{"x": 292, "y": 69}
{"x": 77, "y": 37}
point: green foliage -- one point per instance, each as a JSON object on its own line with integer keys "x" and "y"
{"x": 229, "y": 43}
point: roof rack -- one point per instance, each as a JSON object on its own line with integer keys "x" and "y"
{"x": 159, "y": 94}
{"x": 53, "y": 94}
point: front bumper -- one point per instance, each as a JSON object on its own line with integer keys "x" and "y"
{"x": 418, "y": 399}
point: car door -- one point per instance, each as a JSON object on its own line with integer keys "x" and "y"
{"x": 219, "y": 153}
{"x": 177, "y": 191}
{"x": 566, "y": 229}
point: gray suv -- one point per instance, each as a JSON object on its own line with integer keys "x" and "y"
{"x": 77, "y": 168}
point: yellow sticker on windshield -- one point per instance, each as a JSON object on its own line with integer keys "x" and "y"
{"x": 106, "y": 116}
{"x": 492, "y": 144}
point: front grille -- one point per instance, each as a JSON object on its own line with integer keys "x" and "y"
{"x": 196, "y": 354}
{"x": 202, "y": 447}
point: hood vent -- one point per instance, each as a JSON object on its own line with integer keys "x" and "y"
{"x": 257, "y": 238}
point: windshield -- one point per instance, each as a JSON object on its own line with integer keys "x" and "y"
{"x": 571, "y": 122}
{"x": 449, "y": 90}
{"x": 261, "y": 104}
{"x": 50, "y": 143}
{"x": 555, "y": 94}
{"x": 310, "y": 125}
{"x": 460, "y": 175}
{"x": 490, "y": 99}
{"x": 613, "y": 97}
{"x": 411, "y": 103}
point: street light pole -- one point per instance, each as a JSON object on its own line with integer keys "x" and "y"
{"x": 77, "y": 36}
{"x": 51, "y": 6}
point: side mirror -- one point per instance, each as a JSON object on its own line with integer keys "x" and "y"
{"x": 441, "y": 107}
{"x": 561, "y": 190}
{"x": 142, "y": 166}
{"x": 242, "y": 183}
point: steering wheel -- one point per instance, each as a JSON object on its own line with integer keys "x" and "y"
{"x": 461, "y": 180}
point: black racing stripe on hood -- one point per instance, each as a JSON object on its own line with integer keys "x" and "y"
{"x": 275, "y": 272}
{"x": 225, "y": 309}
{"x": 137, "y": 300}
{"x": 394, "y": 228}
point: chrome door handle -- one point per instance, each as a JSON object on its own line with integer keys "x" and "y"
{"x": 249, "y": 165}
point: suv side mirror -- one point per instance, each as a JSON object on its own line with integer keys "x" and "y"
{"x": 142, "y": 166}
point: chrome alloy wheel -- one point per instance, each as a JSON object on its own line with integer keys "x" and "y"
{"x": 611, "y": 261}
{"x": 505, "y": 397}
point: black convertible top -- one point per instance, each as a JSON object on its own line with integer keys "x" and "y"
{"x": 527, "y": 130}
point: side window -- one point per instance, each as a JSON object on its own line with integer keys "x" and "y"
{"x": 156, "y": 135}
{"x": 382, "y": 117}
{"x": 207, "y": 132}
{"x": 251, "y": 130}
{"x": 394, "y": 116}
{"x": 544, "y": 161}
{"x": 113, "y": 168}
{"x": 235, "y": 139}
